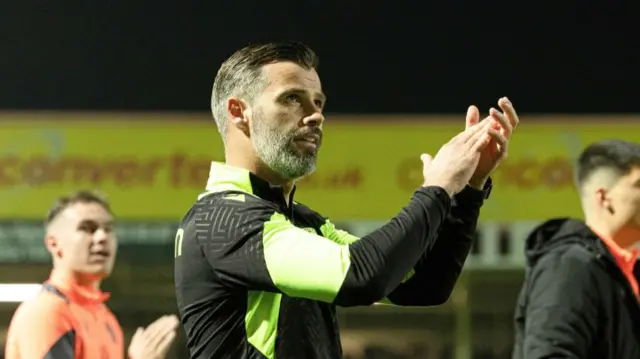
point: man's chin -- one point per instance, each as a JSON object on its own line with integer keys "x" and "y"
{"x": 98, "y": 273}
{"x": 294, "y": 170}
{"x": 302, "y": 174}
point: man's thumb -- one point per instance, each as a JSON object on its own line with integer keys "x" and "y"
{"x": 426, "y": 159}
{"x": 473, "y": 116}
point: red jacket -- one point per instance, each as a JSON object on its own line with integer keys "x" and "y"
{"x": 65, "y": 321}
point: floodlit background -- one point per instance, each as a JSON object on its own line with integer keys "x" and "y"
{"x": 115, "y": 95}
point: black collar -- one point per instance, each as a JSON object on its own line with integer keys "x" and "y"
{"x": 223, "y": 178}
{"x": 271, "y": 193}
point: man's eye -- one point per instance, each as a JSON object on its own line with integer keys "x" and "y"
{"x": 293, "y": 97}
{"x": 88, "y": 227}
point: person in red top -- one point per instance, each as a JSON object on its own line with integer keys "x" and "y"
{"x": 580, "y": 296}
{"x": 68, "y": 319}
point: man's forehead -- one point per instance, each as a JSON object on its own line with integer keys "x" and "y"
{"x": 609, "y": 177}
{"x": 282, "y": 74}
{"x": 634, "y": 174}
{"x": 86, "y": 212}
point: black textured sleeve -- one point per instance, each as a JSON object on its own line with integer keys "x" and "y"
{"x": 247, "y": 243}
{"x": 436, "y": 273}
{"x": 381, "y": 260}
{"x": 227, "y": 232}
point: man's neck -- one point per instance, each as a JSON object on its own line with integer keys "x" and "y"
{"x": 623, "y": 237}
{"x": 269, "y": 176}
{"x": 261, "y": 170}
{"x": 83, "y": 280}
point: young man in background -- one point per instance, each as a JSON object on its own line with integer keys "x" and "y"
{"x": 580, "y": 296}
{"x": 68, "y": 318}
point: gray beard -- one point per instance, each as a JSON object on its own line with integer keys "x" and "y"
{"x": 276, "y": 149}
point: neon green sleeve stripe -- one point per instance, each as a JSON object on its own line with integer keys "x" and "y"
{"x": 409, "y": 275}
{"x": 302, "y": 264}
{"x": 339, "y": 236}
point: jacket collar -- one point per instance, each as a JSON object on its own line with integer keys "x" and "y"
{"x": 75, "y": 292}
{"x": 223, "y": 178}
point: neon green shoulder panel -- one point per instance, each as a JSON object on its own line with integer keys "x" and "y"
{"x": 302, "y": 264}
{"x": 339, "y": 236}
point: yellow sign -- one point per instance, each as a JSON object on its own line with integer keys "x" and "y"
{"x": 154, "y": 166}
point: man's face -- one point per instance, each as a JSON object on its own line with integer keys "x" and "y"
{"x": 624, "y": 201}
{"x": 286, "y": 121}
{"x": 82, "y": 240}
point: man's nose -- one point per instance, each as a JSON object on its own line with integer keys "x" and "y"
{"x": 314, "y": 120}
{"x": 100, "y": 236}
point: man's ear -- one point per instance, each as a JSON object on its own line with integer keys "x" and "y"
{"x": 51, "y": 243}
{"x": 603, "y": 200}
{"x": 239, "y": 114}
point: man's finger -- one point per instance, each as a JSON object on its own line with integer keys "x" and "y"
{"x": 168, "y": 324}
{"x": 509, "y": 111}
{"x": 161, "y": 342}
{"x": 473, "y": 116}
{"x": 499, "y": 137}
{"x": 153, "y": 327}
{"x": 483, "y": 141}
{"x": 480, "y": 139}
{"x": 159, "y": 326}
{"x": 166, "y": 342}
{"x": 172, "y": 322}
{"x": 157, "y": 338}
{"x": 426, "y": 159}
{"x": 136, "y": 341}
{"x": 468, "y": 134}
{"x": 502, "y": 120}
{"x": 136, "y": 336}
{"x": 175, "y": 319}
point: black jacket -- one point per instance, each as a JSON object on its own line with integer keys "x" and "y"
{"x": 575, "y": 301}
{"x": 257, "y": 277}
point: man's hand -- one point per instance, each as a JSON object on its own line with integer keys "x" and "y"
{"x": 456, "y": 161}
{"x": 505, "y": 122}
{"x": 154, "y": 341}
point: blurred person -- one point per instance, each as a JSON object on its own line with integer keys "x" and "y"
{"x": 580, "y": 295}
{"x": 68, "y": 318}
{"x": 258, "y": 275}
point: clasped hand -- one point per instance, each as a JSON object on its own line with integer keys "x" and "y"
{"x": 473, "y": 155}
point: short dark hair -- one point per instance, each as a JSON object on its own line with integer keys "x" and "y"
{"x": 83, "y": 196}
{"x": 616, "y": 155}
{"x": 240, "y": 74}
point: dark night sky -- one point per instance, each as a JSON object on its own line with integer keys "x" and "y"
{"x": 422, "y": 58}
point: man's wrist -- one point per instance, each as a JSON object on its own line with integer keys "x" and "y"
{"x": 478, "y": 184}
{"x": 484, "y": 190}
{"x": 447, "y": 189}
